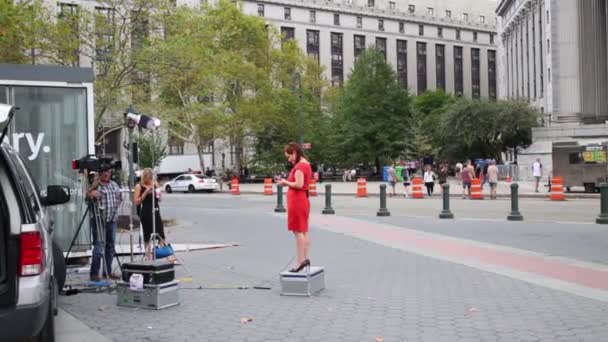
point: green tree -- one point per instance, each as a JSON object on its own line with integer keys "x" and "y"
{"x": 152, "y": 150}
{"x": 373, "y": 112}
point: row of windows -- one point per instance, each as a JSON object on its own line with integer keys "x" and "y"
{"x": 337, "y": 65}
{"x": 312, "y": 18}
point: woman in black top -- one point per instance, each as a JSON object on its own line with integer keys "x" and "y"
{"x": 143, "y": 197}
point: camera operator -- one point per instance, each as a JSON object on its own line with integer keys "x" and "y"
{"x": 108, "y": 197}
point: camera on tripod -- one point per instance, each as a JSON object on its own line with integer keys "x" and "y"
{"x": 93, "y": 163}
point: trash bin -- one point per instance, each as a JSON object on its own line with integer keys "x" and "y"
{"x": 385, "y": 174}
{"x": 399, "y": 172}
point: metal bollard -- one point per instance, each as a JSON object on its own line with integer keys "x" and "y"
{"x": 280, "y": 208}
{"x": 515, "y": 214}
{"x": 328, "y": 209}
{"x": 603, "y": 217}
{"x": 383, "y": 211}
{"x": 446, "y": 213}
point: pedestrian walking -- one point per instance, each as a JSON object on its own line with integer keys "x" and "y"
{"x": 493, "y": 178}
{"x": 429, "y": 180}
{"x": 459, "y": 167}
{"x": 298, "y": 205}
{"x": 320, "y": 170}
{"x": 537, "y": 172}
{"x": 467, "y": 174}
{"x": 406, "y": 182}
{"x": 443, "y": 174}
{"x": 392, "y": 179}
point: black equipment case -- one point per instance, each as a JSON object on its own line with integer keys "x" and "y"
{"x": 154, "y": 271}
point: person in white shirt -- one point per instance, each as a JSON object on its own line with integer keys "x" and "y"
{"x": 537, "y": 172}
{"x": 429, "y": 180}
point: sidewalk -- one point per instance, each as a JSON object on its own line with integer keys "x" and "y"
{"x": 69, "y": 329}
{"x": 526, "y": 189}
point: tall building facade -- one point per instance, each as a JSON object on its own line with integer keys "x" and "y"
{"x": 553, "y": 54}
{"x": 432, "y": 44}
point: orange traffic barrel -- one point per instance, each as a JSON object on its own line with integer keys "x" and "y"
{"x": 476, "y": 189}
{"x": 312, "y": 188}
{"x": 557, "y": 189}
{"x": 417, "y": 188}
{"x": 509, "y": 179}
{"x": 361, "y": 187}
{"x": 234, "y": 188}
{"x": 267, "y": 186}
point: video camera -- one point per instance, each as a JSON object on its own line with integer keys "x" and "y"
{"x": 95, "y": 163}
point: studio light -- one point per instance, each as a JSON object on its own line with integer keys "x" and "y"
{"x": 142, "y": 121}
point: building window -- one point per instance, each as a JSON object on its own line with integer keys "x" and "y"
{"x": 104, "y": 29}
{"x": 534, "y": 54}
{"x": 287, "y": 13}
{"x": 421, "y": 66}
{"x": 475, "y": 37}
{"x": 549, "y": 74}
{"x": 448, "y": 14}
{"x": 370, "y": 3}
{"x": 381, "y": 46}
{"x": 458, "y": 73}
{"x": 402, "y": 63}
{"x": 176, "y": 146}
{"x": 421, "y": 30}
{"x": 440, "y": 32}
{"x": 491, "y": 38}
{"x": 337, "y": 69}
{"x": 312, "y": 44}
{"x": 260, "y": 10}
{"x": 492, "y": 74}
{"x": 465, "y": 16}
{"x": 359, "y": 22}
{"x": 380, "y": 25}
{"x": 540, "y": 50}
{"x": 440, "y": 65}
{"x": 457, "y": 34}
{"x": 391, "y": 5}
{"x": 411, "y": 8}
{"x": 287, "y": 33}
{"x": 430, "y": 11}
{"x": 401, "y": 27}
{"x": 359, "y": 46}
{"x": 336, "y": 19}
{"x": 475, "y": 73}
{"x": 482, "y": 19}
{"x": 69, "y": 13}
{"x": 312, "y": 17}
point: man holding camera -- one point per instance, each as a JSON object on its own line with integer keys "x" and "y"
{"x": 106, "y": 193}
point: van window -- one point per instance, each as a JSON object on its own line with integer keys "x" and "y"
{"x": 28, "y": 187}
{"x": 575, "y": 158}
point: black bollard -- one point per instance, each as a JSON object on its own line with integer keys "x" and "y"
{"x": 515, "y": 215}
{"x": 603, "y": 217}
{"x": 328, "y": 209}
{"x": 446, "y": 213}
{"x": 280, "y": 208}
{"x": 383, "y": 211}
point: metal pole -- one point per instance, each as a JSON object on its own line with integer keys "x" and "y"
{"x": 328, "y": 209}
{"x": 280, "y": 208}
{"x": 515, "y": 215}
{"x": 446, "y": 213}
{"x": 603, "y": 217}
{"x": 383, "y": 211}
{"x": 131, "y": 184}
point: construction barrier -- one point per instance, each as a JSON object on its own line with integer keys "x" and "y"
{"x": 417, "y": 191}
{"x": 268, "y": 186}
{"x": 234, "y": 187}
{"x": 557, "y": 189}
{"x": 476, "y": 189}
{"x": 361, "y": 187}
{"x": 312, "y": 188}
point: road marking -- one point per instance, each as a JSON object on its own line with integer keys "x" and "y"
{"x": 585, "y": 279}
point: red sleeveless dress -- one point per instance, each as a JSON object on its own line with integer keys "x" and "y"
{"x": 298, "y": 206}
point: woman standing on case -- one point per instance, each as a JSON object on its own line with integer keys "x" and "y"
{"x": 298, "y": 206}
{"x": 144, "y": 191}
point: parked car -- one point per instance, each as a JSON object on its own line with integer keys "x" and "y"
{"x": 32, "y": 269}
{"x": 191, "y": 183}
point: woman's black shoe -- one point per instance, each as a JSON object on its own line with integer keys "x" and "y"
{"x": 305, "y": 263}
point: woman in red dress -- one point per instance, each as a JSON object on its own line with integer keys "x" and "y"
{"x": 298, "y": 206}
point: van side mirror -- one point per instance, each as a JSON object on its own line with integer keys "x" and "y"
{"x": 56, "y": 194}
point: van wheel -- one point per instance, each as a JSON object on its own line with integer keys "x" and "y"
{"x": 59, "y": 262}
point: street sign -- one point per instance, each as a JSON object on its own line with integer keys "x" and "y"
{"x": 307, "y": 146}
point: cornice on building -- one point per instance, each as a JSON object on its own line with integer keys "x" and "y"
{"x": 345, "y": 8}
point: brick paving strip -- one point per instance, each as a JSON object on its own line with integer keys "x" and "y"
{"x": 581, "y": 278}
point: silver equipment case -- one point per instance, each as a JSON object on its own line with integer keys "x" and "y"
{"x": 304, "y": 283}
{"x": 153, "y": 297}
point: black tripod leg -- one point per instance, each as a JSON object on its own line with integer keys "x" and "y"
{"x": 76, "y": 235}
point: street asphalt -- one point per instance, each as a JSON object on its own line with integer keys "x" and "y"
{"x": 406, "y": 277}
